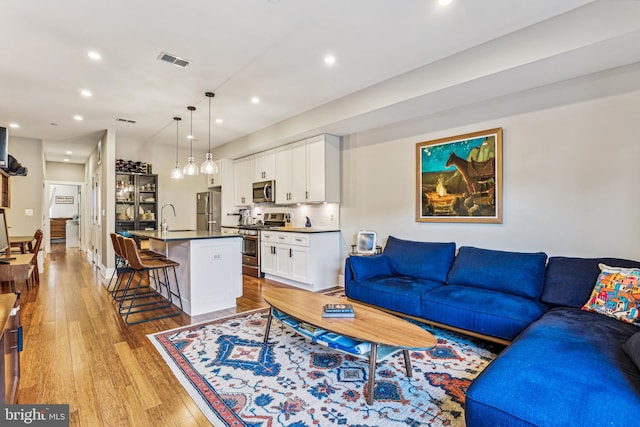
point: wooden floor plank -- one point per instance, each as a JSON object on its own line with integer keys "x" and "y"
{"x": 78, "y": 350}
{"x": 81, "y": 368}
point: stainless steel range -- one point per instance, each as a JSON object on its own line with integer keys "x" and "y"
{"x": 251, "y": 242}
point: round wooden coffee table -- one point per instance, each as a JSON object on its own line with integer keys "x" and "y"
{"x": 369, "y": 325}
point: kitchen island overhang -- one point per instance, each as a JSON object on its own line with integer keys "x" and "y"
{"x": 210, "y": 271}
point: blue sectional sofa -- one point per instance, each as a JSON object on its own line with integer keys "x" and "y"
{"x": 561, "y": 366}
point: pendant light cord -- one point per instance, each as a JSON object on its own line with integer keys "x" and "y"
{"x": 209, "y": 95}
{"x": 177, "y": 119}
{"x": 191, "y": 109}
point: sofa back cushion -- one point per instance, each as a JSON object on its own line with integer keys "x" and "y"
{"x": 367, "y": 267}
{"x": 517, "y": 273}
{"x": 423, "y": 260}
{"x": 569, "y": 281}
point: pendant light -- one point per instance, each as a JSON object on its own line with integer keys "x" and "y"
{"x": 208, "y": 166}
{"x": 176, "y": 173}
{"x": 191, "y": 168}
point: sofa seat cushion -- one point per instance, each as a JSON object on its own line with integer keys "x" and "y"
{"x": 568, "y": 368}
{"x": 479, "y": 310}
{"x": 422, "y": 260}
{"x": 397, "y": 293}
{"x": 517, "y": 273}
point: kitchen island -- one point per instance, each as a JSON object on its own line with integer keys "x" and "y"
{"x": 210, "y": 271}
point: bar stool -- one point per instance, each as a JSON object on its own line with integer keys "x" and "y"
{"x": 122, "y": 268}
{"x": 126, "y": 271}
{"x": 142, "y": 298}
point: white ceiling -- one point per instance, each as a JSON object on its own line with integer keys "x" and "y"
{"x": 395, "y": 59}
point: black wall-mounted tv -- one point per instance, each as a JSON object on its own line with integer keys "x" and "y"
{"x": 4, "y": 147}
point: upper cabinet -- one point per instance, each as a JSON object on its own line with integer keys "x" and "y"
{"x": 291, "y": 161}
{"x": 264, "y": 166}
{"x": 308, "y": 171}
{"x": 224, "y": 176}
{"x": 323, "y": 169}
{"x": 243, "y": 180}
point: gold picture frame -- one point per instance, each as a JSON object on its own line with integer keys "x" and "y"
{"x": 459, "y": 178}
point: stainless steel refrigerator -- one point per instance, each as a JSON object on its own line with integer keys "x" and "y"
{"x": 208, "y": 210}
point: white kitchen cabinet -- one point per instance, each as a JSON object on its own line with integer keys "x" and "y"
{"x": 300, "y": 260}
{"x": 323, "y": 169}
{"x": 308, "y": 171}
{"x": 307, "y": 260}
{"x": 291, "y": 171}
{"x": 243, "y": 181}
{"x": 283, "y": 260}
{"x": 267, "y": 258}
{"x": 267, "y": 252}
{"x": 264, "y": 166}
{"x": 224, "y": 176}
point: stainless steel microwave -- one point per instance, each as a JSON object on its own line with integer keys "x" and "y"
{"x": 264, "y": 191}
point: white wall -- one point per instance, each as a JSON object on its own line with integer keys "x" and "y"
{"x": 26, "y": 191}
{"x": 64, "y": 210}
{"x": 59, "y": 171}
{"x": 570, "y": 182}
{"x": 180, "y": 193}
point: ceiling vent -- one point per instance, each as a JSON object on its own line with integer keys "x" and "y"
{"x": 120, "y": 119}
{"x": 172, "y": 59}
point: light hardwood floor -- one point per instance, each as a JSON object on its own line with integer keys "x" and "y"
{"x": 78, "y": 351}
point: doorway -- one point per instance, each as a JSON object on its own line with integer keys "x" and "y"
{"x": 63, "y": 218}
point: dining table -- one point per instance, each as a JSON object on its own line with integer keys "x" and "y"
{"x": 22, "y": 242}
{"x": 16, "y": 268}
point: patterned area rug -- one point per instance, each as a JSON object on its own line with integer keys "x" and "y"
{"x": 236, "y": 380}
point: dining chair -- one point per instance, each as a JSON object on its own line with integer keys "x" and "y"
{"x": 34, "y": 274}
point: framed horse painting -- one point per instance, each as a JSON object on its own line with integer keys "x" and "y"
{"x": 459, "y": 179}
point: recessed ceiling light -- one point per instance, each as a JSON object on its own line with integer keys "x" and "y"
{"x": 86, "y": 93}
{"x": 77, "y": 117}
{"x": 66, "y": 159}
{"x": 14, "y": 125}
{"x": 219, "y": 121}
{"x": 94, "y": 55}
{"x": 329, "y": 59}
{"x": 255, "y": 100}
{"x": 444, "y": 2}
{"x": 68, "y": 153}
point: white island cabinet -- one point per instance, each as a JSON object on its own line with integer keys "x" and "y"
{"x": 210, "y": 271}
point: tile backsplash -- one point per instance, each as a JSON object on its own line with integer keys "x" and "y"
{"x": 323, "y": 216}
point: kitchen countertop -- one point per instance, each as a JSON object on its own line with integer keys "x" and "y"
{"x": 291, "y": 229}
{"x": 302, "y": 230}
{"x": 183, "y": 235}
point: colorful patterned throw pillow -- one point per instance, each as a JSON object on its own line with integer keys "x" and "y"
{"x": 616, "y": 294}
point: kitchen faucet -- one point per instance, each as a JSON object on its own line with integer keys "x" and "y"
{"x": 163, "y": 220}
